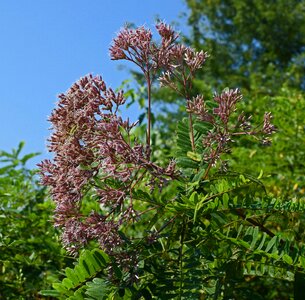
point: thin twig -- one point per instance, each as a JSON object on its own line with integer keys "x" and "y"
{"x": 254, "y": 222}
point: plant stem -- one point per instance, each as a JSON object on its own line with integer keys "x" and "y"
{"x": 148, "y": 79}
{"x": 254, "y": 222}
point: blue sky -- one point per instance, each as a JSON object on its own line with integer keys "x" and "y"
{"x": 45, "y": 46}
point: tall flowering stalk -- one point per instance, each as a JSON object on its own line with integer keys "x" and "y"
{"x": 96, "y": 153}
{"x": 177, "y": 62}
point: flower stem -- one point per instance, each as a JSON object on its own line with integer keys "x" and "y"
{"x": 148, "y": 79}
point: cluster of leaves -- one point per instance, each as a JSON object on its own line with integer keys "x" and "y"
{"x": 195, "y": 231}
{"x": 30, "y": 253}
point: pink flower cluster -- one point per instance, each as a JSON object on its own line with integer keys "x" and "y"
{"x": 217, "y": 141}
{"x": 175, "y": 60}
{"x": 90, "y": 141}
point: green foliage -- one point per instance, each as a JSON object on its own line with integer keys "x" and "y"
{"x": 255, "y": 45}
{"x": 30, "y": 253}
{"x": 214, "y": 239}
{"x": 282, "y": 163}
{"x": 82, "y": 280}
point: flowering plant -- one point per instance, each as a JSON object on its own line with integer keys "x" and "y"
{"x": 110, "y": 189}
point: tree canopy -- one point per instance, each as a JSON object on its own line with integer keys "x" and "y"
{"x": 256, "y": 45}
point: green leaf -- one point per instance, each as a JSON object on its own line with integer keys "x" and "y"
{"x": 185, "y": 162}
{"x": 97, "y": 289}
{"x": 198, "y": 176}
{"x": 194, "y": 156}
{"x": 20, "y": 147}
{"x": 67, "y": 283}
{"x": 262, "y": 241}
{"x": 255, "y": 237}
{"x": 81, "y": 273}
{"x": 203, "y": 127}
{"x": 302, "y": 261}
{"x": 59, "y": 287}
{"x": 101, "y": 256}
{"x": 50, "y": 293}
{"x": 194, "y": 198}
{"x": 287, "y": 259}
{"x": 271, "y": 244}
{"x": 25, "y": 158}
{"x": 225, "y": 200}
{"x": 72, "y": 276}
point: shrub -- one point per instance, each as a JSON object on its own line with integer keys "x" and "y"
{"x": 30, "y": 253}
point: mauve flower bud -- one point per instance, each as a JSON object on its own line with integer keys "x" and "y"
{"x": 268, "y": 128}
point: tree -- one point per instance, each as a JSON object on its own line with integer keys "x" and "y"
{"x": 254, "y": 45}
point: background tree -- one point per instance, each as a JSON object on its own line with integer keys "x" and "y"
{"x": 255, "y": 45}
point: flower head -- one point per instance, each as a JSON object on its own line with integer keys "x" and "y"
{"x": 91, "y": 143}
{"x": 226, "y": 103}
